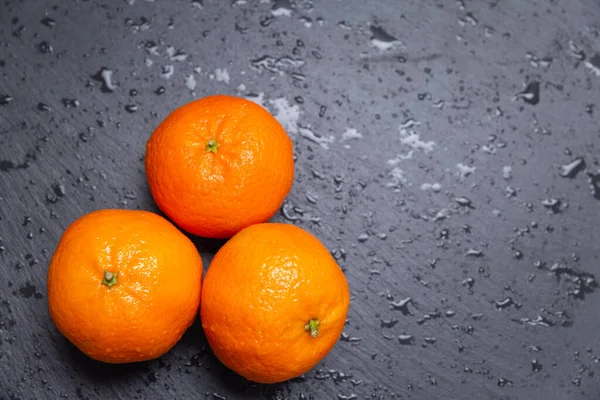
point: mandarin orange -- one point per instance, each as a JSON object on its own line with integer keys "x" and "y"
{"x": 219, "y": 164}
{"x": 274, "y": 302}
{"x": 123, "y": 286}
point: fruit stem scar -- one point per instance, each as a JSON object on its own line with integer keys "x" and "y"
{"x": 312, "y": 326}
{"x": 212, "y": 146}
{"x": 110, "y": 278}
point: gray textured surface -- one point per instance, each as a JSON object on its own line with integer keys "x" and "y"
{"x": 497, "y": 279}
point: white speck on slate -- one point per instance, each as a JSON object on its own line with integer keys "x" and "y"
{"x": 490, "y": 149}
{"x": 507, "y": 172}
{"x": 465, "y": 170}
{"x": 384, "y": 46}
{"x": 287, "y": 115}
{"x": 190, "y": 82}
{"x": 323, "y": 141}
{"x": 351, "y": 133}
{"x": 413, "y": 139}
{"x": 175, "y": 55}
{"x": 222, "y": 75}
{"x": 281, "y": 12}
{"x": 434, "y": 187}
{"x": 167, "y": 71}
{"x": 400, "y": 157}
{"x": 397, "y": 176}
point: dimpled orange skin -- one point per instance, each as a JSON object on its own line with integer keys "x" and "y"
{"x": 156, "y": 295}
{"x": 216, "y": 191}
{"x": 261, "y": 289}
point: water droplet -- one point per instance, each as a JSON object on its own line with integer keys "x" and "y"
{"x": 281, "y": 8}
{"x": 363, "y": 237}
{"x": 28, "y": 291}
{"x": 576, "y": 51}
{"x": 45, "y": 47}
{"x": 464, "y": 201}
{"x": 347, "y": 338}
{"x": 59, "y": 189}
{"x": 160, "y": 90}
{"x": 474, "y": 253}
{"x": 424, "y": 96}
{"x": 554, "y": 205}
{"x": 388, "y": 323}
{"x": 468, "y": 282}
{"x": 593, "y": 180}
{"x": 322, "y": 111}
{"x": 503, "y": 382}
{"x": 70, "y": 103}
{"x": 309, "y": 134}
{"x": 266, "y": 20}
{"x": 5, "y": 99}
{"x": 287, "y": 213}
{"x": 273, "y": 64}
{"x": 381, "y": 39}
{"x": 402, "y": 305}
{"x": 471, "y": 19}
{"x": 540, "y": 320}
{"x": 504, "y": 303}
{"x": 131, "y": 108}
{"x": 573, "y": 168}
{"x": 589, "y": 108}
{"x": 406, "y": 339}
{"x": 104, "y": 76}
{"x": 133, "y": 92}
{"x": 176, "y": 55}
{"x": 518, "y": 254}
{"x": 439, "y": 104}
{"x": 43, "y": 107}
{"x": 531, "y": 94}
{"x": 510, "y": 191}
{"x": 430, "y": 340}
{"x": 167, "y": 71}
{"x": 47, "y": 21}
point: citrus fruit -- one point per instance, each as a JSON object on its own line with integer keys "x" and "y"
{"x": 124, "y": 285}
{"x": 274, "y": 302}
{"x": 219, "y": 164}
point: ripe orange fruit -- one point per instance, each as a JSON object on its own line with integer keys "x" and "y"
{"x": 219, "y": 164}
{"x": 274, "y": 302}
{"x": 124, "y": 285}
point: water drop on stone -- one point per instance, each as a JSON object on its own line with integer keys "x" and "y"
{"x": 131, "y": 108}
{"x": 47, "y": 21}
{"x": 45, "y": 48}
{"x": 406, "y": 339}
{"x": 531, "y": 94}
{"x": 573, "y": 168}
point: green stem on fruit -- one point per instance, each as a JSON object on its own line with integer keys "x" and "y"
{"x": 110, "y": 278}
{"x": 312, "y": 326}
{"x": 212, "y": 146}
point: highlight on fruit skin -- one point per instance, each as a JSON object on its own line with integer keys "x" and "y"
{"x": 219, "y": 164}
{"x": 274, "y": 302}
{"x": 124, "y": 285}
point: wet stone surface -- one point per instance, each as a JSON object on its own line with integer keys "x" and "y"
{"x": 447, "y": 153}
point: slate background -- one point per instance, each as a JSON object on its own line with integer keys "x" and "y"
{"x": 502, "y": 283}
